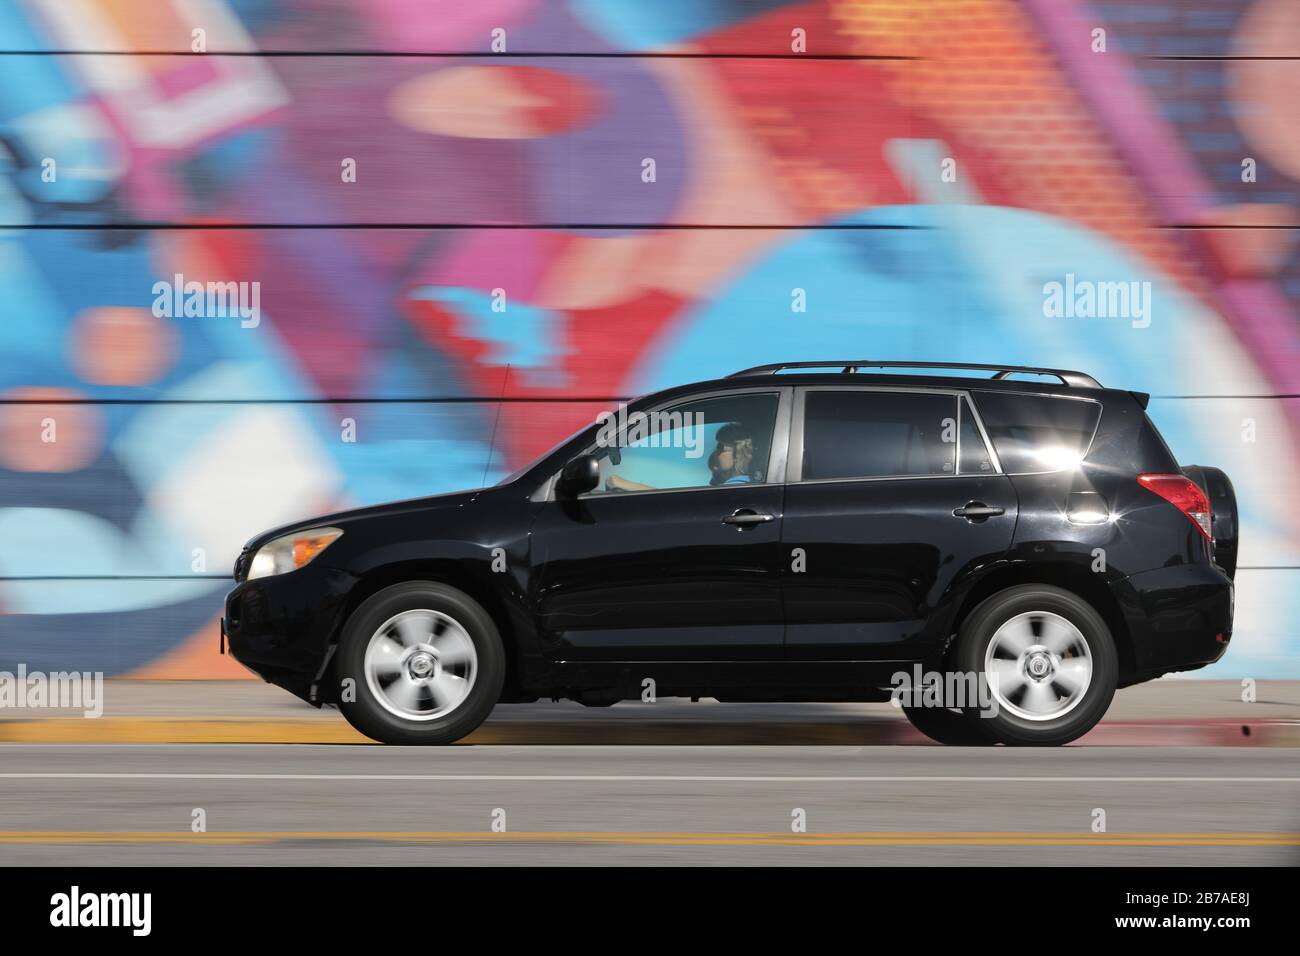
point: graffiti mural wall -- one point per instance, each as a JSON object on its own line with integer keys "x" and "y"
{"x": 387, "y": 245}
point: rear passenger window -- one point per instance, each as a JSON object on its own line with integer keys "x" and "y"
{"x": 1038, "y": 433}
{"x": 863, "y": 434}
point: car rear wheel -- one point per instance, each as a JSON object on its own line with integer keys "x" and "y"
{"x": 421, "y": 663}
{"x": 1048, "y": 662}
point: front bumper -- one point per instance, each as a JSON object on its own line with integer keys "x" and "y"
{"x": 1180, "y": 617}
{"x": 284, "y": 627}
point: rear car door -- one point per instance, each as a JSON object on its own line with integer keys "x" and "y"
{"x": 893, "y": 495}
{"x": 683, "y": 563}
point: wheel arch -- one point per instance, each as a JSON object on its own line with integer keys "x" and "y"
{"x": 448, "y": 572}
{"x": 1076, "y": 579}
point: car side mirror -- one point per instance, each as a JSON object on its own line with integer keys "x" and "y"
{"x": 579, "y": 476}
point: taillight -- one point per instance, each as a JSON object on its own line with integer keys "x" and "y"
{"x": 1185, "y": 495}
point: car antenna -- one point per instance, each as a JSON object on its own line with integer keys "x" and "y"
{"x": 487, "y": 466}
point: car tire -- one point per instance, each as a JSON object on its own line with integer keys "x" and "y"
{"x": 952, "y": 728}
{"x": 1049, "y": 661}
{"x": 419, "y": 663}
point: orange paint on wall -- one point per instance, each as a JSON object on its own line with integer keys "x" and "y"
{"x": 198, "y": 657}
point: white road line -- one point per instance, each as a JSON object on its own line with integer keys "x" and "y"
{"x": 622, "y": 778}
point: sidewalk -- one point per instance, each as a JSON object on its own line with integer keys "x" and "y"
{"x": 1171, "y": 712}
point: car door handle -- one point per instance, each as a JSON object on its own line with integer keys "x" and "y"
{"x": 746, "y": 518}
{"x": 977, "y": 511}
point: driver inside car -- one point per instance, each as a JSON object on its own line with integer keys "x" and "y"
{"x": 731, "y": 462}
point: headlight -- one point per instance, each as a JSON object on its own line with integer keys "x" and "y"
{"x": 290, "y": 552}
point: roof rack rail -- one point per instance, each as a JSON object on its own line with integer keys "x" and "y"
{"x": 1067, "y": 377}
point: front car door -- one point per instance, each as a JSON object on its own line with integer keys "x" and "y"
{"x": 675, "y": 555}
{"x": 893, "y": 495}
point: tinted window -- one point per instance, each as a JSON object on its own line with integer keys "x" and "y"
{"x": 1038, "y": 433}
{"x": 975, "y": 459}
{"x": 859, "y": 434}
{"x": 701, "y": 443}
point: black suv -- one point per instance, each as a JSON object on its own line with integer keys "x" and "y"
{"x": 995, "y": 554}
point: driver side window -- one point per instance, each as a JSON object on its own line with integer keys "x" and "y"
{"x": 699, "y": 443}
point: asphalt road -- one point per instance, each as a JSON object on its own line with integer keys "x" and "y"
{"x": 341, "y": 804}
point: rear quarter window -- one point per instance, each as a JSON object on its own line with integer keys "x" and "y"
{"x": 1038, "y": 433}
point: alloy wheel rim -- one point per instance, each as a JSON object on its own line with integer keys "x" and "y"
{"x": 1038, "y": 665}
{"x": 420, "y": 664}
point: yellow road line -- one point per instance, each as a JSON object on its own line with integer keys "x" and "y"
{"x": 938, "y": 838}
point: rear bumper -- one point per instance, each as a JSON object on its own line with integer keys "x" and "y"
{"x": 283, "y": 628}
{"x": 1180, "y": 618}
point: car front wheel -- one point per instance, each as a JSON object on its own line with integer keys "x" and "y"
{"x": 420, "y": 663}
{"x": 1046, "y": 661}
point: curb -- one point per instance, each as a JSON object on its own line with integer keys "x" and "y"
{"x": 252, "y": 730}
